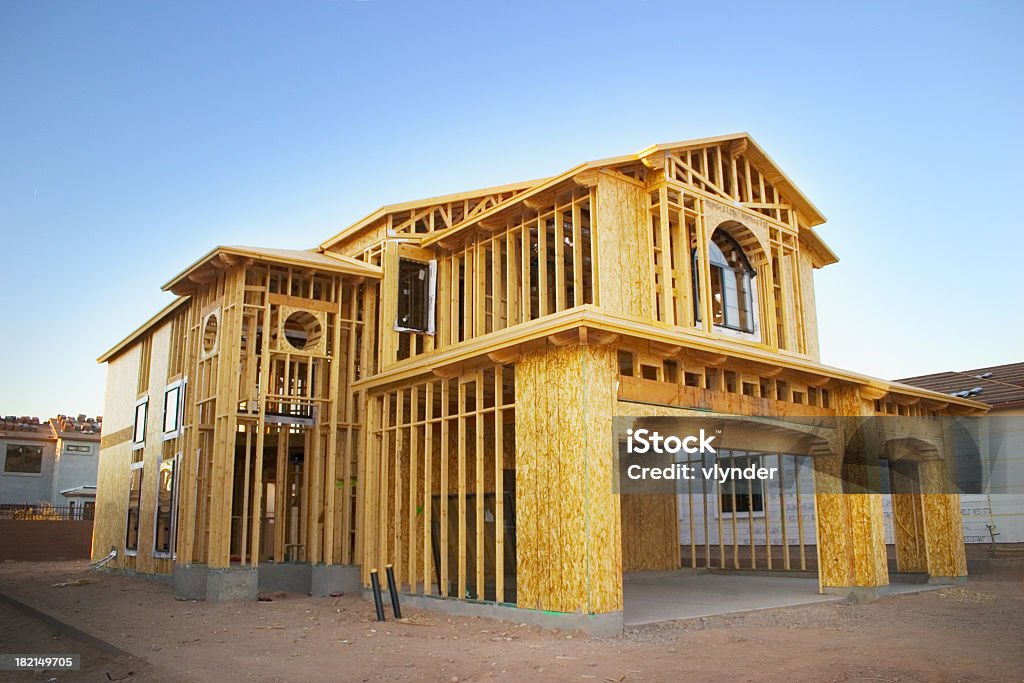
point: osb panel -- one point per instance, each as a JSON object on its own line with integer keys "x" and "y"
{"x": 115, "y": 459}
{"x": 851, "y": 540}
{"x": 623, "y": 248}
{"x": 908, "y": 531}
{"x": 809, "y": 306}
{"x": 944, "y": 536}
{"x": 943, "y": 522}
{"x": 851, "y": 530}
{"x": 834, "y": 539}
{"x": 650, "y": 539}
{"x": 151, "y": 455}
{"x": 568, "y": 536}
{"x": 604, "y": 523}
{"x": 868, "y": 535}
{"x": 119, "y": 398}
{"x": 111, "y": 502}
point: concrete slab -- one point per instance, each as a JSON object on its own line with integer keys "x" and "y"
{"x": 650, "y": 597}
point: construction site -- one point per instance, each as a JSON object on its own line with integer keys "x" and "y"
{"x": 434, "y": 388}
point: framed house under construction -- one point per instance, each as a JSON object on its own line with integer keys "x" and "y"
{"x": 434, "y": 388}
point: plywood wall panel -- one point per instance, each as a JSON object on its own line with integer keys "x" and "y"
{"x": 569, "y": 553}
{"x": 623, "y": 248}
{"x": 650, "y": 539}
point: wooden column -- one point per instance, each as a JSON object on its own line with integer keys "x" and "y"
{"x": 226, "y": 421}
{"x": 943, "y": 524}
{"x": 908, "y": 517}
{"x": 851, "y": 531}
{"x": 567, "y": 518}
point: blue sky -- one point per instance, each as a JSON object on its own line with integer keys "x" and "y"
{"x": 137, "y": 135}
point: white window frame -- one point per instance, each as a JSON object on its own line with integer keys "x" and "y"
{"x": 133, "y": 552}
{"x": 136, "y": 444}
{"x": 179, "y": 406}
{"x": 174, "y": 509}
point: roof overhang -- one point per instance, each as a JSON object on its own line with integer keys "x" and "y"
{"x": 80, "y": 491}
{"x": 223, "y": 257}
{"x": 589, "y": 324}
{"x": 821, "y": 254}
{"x": 164, "y": 313}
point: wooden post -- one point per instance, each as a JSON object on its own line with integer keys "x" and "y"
{"x": 851, "y": 533}
{"x": 568, "y": 519}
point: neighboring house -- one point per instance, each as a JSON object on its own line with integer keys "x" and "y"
{"x": 50, "y": 462}
{"x": 28, "y": 447}
{"x": 1002, "y": 387}
{"x": 434, "y": 388}
{"x": 78, "y": 451}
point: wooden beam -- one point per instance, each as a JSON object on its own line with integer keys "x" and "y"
{"x": 566, "y": 338}
{"x": 504, "y": 356}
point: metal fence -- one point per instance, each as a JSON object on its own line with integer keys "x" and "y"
{"x": 41, "y": 511}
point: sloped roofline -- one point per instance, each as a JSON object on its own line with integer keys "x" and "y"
{"x": 163, "y": 314}
{"x": 420, "y": 203}
{"x": 809, "y": 212}
{"x": 332, "y": 263}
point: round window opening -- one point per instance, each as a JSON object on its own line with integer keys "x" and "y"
{"x": 210, "y": 333}
{"x": 302, "y": 330}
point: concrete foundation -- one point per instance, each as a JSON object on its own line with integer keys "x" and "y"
{"x": 862, "y": 594}
{"x": 286, "y": 577}
{"x": 609, "y": 624}
{"x": 189, "y": 581}
{"x": 232, "y": 584}
{"x": 657, "y": 596}
{"x": 334, "y": 578}
{"x": 857, "y": 594}
{"x": 199, "y": 582}
{"x": 165, "y": 579}
{"x": 947, "y": 580}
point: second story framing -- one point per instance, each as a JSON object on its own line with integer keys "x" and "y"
{"x": 707, "y": 238}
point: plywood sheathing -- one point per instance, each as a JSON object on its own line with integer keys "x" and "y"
{"x": 650, "y": 532}
{"x": 851, "y": 533}
{"x": 621, "y": 243}
{"x": 943, "y": 523}
{"x": 568, "y": 518}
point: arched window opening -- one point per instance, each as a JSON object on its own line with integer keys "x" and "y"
{"x": 732, "y": 284}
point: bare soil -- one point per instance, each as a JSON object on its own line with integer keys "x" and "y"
{"x": 968, "y": 633}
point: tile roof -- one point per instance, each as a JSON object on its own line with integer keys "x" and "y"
{"x": 1000, "y": 385}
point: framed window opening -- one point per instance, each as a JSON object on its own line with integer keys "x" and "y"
{"x": 131, "y": 536}
{"x": 139, "y": 426}
{"x": 417, "y": 293}
{"x": 174, "y": 404}
{"x": 732, "y": 281}
{"x": 165, "y": 515}
{"x": 741, "y": 497}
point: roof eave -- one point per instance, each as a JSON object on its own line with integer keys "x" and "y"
{"x": 142, "y": 329}
{"x": 344, "y": 264}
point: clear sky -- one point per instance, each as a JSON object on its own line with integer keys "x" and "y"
{"x": 134, "y": 136}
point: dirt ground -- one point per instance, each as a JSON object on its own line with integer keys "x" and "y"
{"x": 969, "y": 633}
